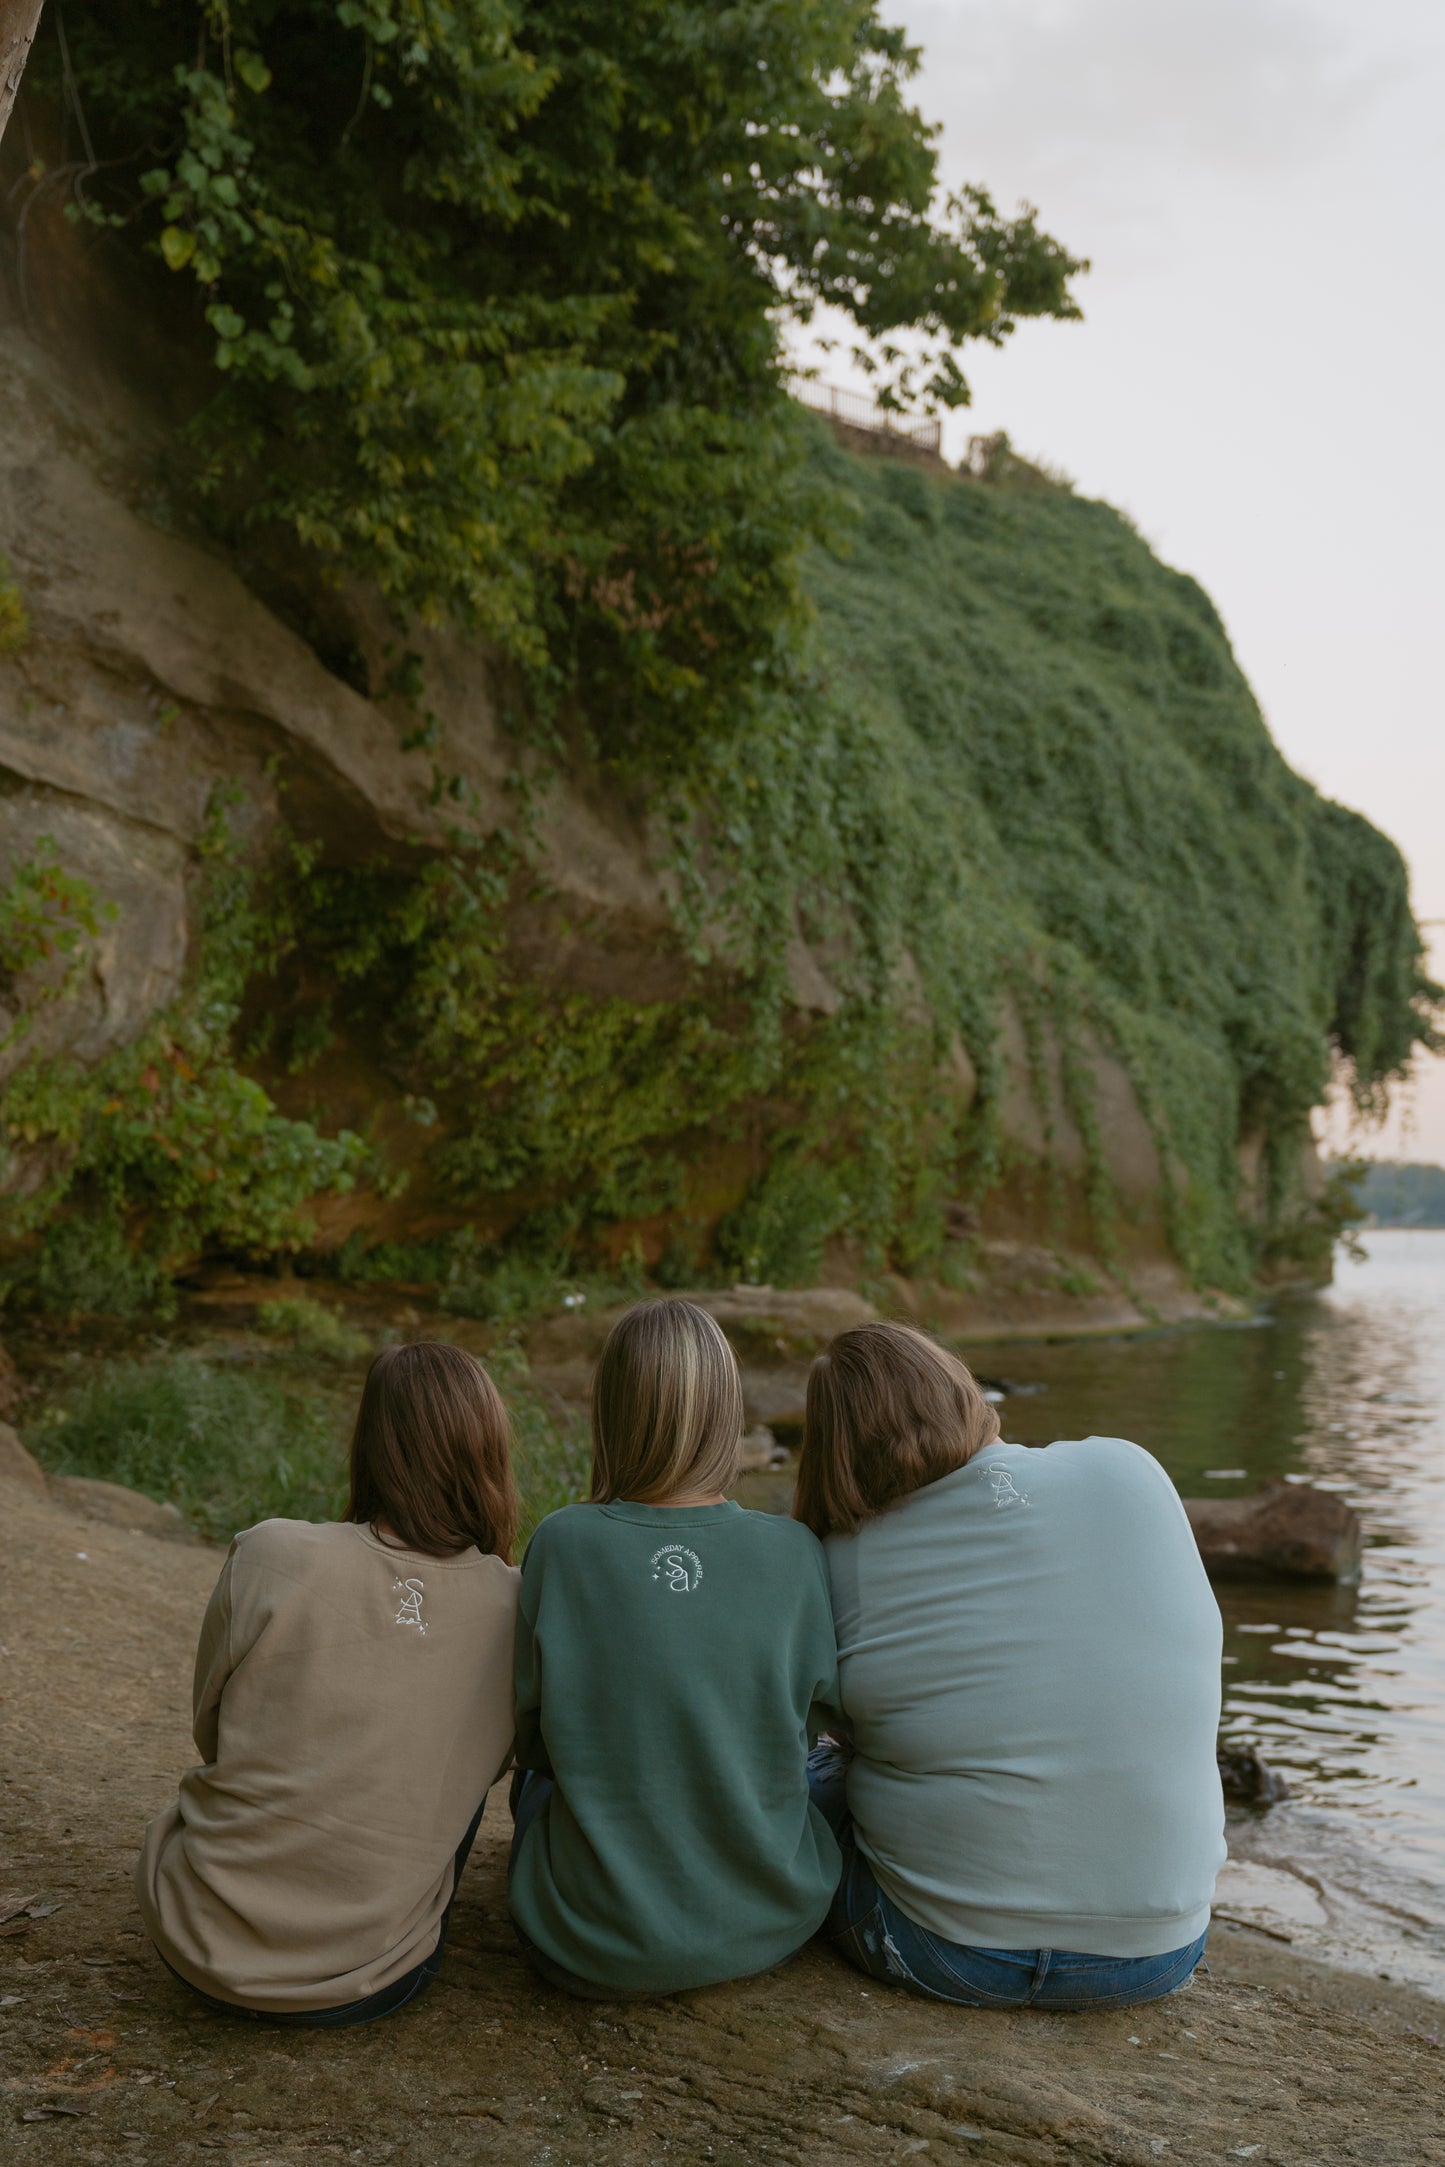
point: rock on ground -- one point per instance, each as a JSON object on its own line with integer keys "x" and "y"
{"x": 107, "y": 2059}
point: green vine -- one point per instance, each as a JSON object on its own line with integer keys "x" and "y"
{"x": 46, "y": 915}
{"x": 14, "y": 623}
{"x": 481, "y": 305}
{"x": 164, "y": 1148}
{"x": 957, "y": 797}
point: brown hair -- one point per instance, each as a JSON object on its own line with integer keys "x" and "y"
{"x": 667, "y": 1406}
{"x": 431, "y": 1453}
{"x": 888, "y": 1411}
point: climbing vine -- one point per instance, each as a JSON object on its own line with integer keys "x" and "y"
{"x": 47, "y": 919}
{"x": 1015, "y": 762}
{"x": 165, "y": 1147}
{"x": 14, "y": 622}
{"x": 480, "y": 304}
{"x": 958, "y": 797}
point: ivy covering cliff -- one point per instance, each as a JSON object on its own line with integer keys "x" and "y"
{"x": 1015, "y": 761}
{"x": 478, "y": 305}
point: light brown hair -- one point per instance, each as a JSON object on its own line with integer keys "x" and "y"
{"x": 431, "y": 1453}
{"x": 888, "y": 1411}
{"x": 667, "y": 1406}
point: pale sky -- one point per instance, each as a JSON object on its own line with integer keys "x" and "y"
{"x": 1258, "y": 379}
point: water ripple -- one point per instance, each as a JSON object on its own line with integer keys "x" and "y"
{"x": 1343, "y": 1689}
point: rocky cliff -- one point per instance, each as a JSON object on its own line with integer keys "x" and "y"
{"x": 472, "y": 988}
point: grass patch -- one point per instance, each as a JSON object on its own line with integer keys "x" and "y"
{"x": 87, "y": 1266}
{"x": 551, "y": 1454}
{"x": 227, "y": 1447}
{"x": 308, "y": 1326}
{"x": 487, "y": 1282}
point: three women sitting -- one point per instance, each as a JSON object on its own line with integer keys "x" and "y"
{"x": 1009, "y": 1657}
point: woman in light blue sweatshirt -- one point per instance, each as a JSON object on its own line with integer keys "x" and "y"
{"x": 1028, "y": 1647}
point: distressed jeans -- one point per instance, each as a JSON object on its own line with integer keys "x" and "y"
{"x": 867, "y": 1928}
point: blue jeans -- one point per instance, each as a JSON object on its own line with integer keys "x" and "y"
{"x": 385, "y": 2002}
{"x": 867, "y": 1928}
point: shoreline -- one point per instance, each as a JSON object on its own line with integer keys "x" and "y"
{"x": 1271, "y": 2055}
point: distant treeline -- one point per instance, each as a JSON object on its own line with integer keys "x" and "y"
{"x": 1396, "y": 1193}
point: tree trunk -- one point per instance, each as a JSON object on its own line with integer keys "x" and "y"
{"x": 18, "y": 19}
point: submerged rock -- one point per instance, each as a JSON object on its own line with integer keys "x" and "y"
{"x": 1286, "y": 1531}
{"x": 1248, "y": 1780}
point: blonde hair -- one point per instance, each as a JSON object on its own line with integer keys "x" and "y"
{"x": 667, "y": 1406}
{"x": 888, "y": 1410}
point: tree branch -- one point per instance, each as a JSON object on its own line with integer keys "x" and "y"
{"x": 18, "y": 20}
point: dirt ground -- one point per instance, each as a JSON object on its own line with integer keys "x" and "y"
{"x": 104, "y": 2057}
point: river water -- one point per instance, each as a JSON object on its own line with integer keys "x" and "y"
{"x": 1341, "y": 1689}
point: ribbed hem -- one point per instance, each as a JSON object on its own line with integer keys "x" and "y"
{"x": 1084, "y": 1933}
{"x": 572, "y": 1982}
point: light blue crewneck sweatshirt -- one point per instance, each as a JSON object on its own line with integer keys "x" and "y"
{"x": 1029, "y": 1654}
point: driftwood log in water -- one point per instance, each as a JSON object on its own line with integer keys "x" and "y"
{"x": 1286, "y": 1531}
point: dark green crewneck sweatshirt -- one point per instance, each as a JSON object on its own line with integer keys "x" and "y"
{"x": 673, "y": 1663}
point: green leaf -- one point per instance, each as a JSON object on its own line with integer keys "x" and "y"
{"x": 177, "y": 247}
{"x": 252, "y": 70}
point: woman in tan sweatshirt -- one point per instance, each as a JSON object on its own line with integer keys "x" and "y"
{"x": 353, "y": 1705}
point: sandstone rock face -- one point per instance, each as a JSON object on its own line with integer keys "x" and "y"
{"x": 1286, "y": 1531}
{"x": 154, "y": 675}
{"x": 17, "y": 1465}
{"x": 776, "y": 1398}
{"x": 10, "y": 1386}
{"x": 760, "y": 1450}
{"x": 115, "y": 1506}
{"x": 796, "y": 1320}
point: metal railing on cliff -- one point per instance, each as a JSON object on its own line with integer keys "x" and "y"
{"x": 860, "y": 412}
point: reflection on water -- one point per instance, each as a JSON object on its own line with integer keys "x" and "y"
{"x": 1343, "y": 1689}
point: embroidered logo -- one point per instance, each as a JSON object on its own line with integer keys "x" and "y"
{"x": 678, "y": 1566}
{"x": 409, "y": 1612}
{"x": 1005, "y": 1491}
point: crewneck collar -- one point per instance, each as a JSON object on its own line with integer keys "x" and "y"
{"x": 470, "y": 1556}
{"x": 625, "y": 1508}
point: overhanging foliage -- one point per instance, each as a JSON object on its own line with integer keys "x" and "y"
{"x": 491, "y": 290}
{"x": 480, "y": 302}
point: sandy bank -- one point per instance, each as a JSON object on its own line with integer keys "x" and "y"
{"x": 1270, "y": 2059}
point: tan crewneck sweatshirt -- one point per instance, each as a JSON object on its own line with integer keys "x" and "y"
{"x": 353, "y": 1704}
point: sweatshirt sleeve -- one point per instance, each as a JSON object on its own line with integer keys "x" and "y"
{"x": 821, "y": 1644}
{"x": 214, "y": 1665}
{"x": 530, "y": 1751}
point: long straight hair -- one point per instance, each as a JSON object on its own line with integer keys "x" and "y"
{"x": 667, "y": 1406}
{"x": 431, "y": 1453}
{"x": 888, "y": 1411}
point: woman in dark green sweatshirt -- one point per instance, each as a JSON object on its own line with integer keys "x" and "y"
{"x": 675, "y": 1656}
